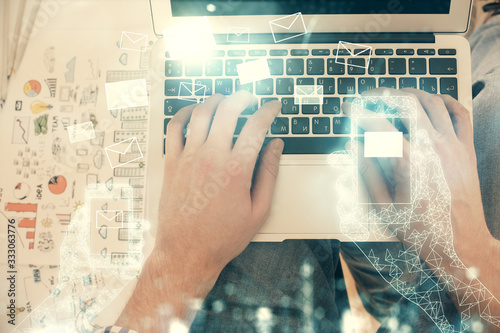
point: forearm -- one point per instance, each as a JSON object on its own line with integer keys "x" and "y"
{"x": 163, "y": 293}
{"x": 479, "y": 253}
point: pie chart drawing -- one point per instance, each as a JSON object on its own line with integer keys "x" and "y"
{"x": 57, "y": 184}
{"x": 32, "y": 88}
{"x": 21, "y": 191}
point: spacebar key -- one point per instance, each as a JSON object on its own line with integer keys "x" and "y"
{"x": 311, "y": 145}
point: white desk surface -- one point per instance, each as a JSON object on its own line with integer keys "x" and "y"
{"x": 88, "y": 31}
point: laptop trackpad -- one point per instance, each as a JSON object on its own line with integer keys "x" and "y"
{"x": 305, "y": 201}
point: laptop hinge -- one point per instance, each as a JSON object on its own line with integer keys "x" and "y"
{"x": 326, "y": 37}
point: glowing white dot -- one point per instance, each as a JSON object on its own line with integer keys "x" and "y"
{"x": 218, "y": 306}
{"x": 264, "y": 314}
{"x": 229, "y": 289}
{"x": 177, "y": 326}
{"x": 472, "y": 273}
{"x": 405, "y": 329}
{"x": 319, "y": 313}
{"x": 306, "y": 270}
{"x": 393, "y": 324}
{"x": 211, "y": 8}
{"x": 477, "y": 326}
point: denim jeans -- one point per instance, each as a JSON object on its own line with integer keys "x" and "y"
{"x": 297, "y": 285}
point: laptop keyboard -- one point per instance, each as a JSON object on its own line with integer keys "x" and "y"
{"x": 309, "y": 129}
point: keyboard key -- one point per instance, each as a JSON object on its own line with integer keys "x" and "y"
{"x": 341, "y": 52}
{"x": 321, "y": 125}
{"x": 334, "y": 68}
{"x": 405, "y": 51}
{"x": 264, "y": 87}
{"x": 203, "y": 92}
{"x": 315, "y": 66}
{"x": 347, "y": 86}
{"x": 449, "y": 86}
{"x": 331, "y": 105}
{"x": 284, "y": 86}
{"x": 341, "y": 125}
{"x": 384, "y": 52}
{"x": 173, "y": 68}
{"x": 224, "y": 86}
{"x": 387, "y": 82}
{"x": 428, "y": 84}
{"x": 425, "y": 52}
{"x": 194, "y": 68}
{"x": 447, "y": 52}
{"x": 267, "y": 100}
{"x": 358, "y": 68}
{"x": 288, "y": 106}
{"x": 257, "y": 53}
{"x": 363, "y": 52}
{"x": 300, "y": 125}
{"x": 278, "y": 53}
{"x": 165, "y": 123}
{"x": 312, "y": 145}
{"x": 236, "y": 53}
{"x": 310, "y": 108}
{"x": 172, "y": 86}
{"x": 275, "y": 66}
{"x": 397, "y": 66}
{"x": 230, "y": 68}
{"x": 366, "y": 83}
{"x": 418, "y": 66}
{"x": 213, "y": 67}
{"x": 295, "y": 66}
{"x": 376, "y": 66}
{"x": 250, "y": 109}
{"x": 407, "y": 82}
{"x": 305, "y": 81}
{"x": 247, "y": 86}
{"x": 328, "y": 85}
{"x": 239, "y": 125}
{"x": 173, "y": 105}
{"x": 280, "y": 125}
{"x": 216, "y": 53}
{"x": 443, "y": 66}
{"x": 320, "y": 52}
{"x": 299, "y": 52}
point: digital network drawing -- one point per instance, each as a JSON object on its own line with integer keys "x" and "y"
{"x": 421, "y": 220}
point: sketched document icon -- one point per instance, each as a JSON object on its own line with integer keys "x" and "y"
{"x": 185, "y": 90}
{"x": 308, "y": 94}
{"x": 361, "y": 52}
{"x": 133, "y": 41}
{"x": 238, "y": 35}
{"x": 291, "y": 24}
{"x": 81, "y": 132}
{"x": 126, "y": 94}
{"x": 123, "y": 152}
{"x": 383, "y": 144}
{"x": 109, "y": 218}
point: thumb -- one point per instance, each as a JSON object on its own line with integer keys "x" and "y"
{"x": 265, "y": 180}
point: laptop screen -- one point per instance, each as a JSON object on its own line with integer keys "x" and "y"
{"x": 311, "y": 7}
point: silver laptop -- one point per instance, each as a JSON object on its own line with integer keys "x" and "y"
{"x": 345, "y": 46}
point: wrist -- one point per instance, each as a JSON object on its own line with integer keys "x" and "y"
{"x": 166, "y": 289}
